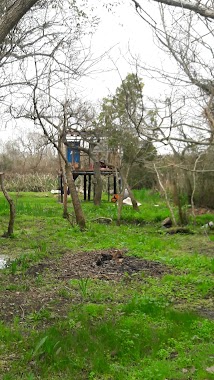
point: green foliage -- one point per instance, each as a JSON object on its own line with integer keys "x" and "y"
{"x": 123, "y": 119}
{"x": 141, "y": 339}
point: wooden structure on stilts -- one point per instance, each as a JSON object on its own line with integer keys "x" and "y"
{"x": 83, "y": 166}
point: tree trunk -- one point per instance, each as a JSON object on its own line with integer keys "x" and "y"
{"x": 13, "y": 15}
{"x": 12, "y": 208}
{"x": 124, "y": 179}
{"x": 166, "y": 197}
{"x": 186, "y": 176}
{"x": 134, "y": 202}
{"x": 188, "y": 186}
{"x": 65, "y": 200}
{"x": 120, "y": 206}
{"x": 98, "y": 184}
{"x": 80, "y": 219}
{"x": 177, "y": 200}
{"x": 65, "y": 187}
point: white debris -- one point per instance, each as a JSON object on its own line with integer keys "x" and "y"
{"x": 3, "y": 261}
{"x": 126, "y": 194}
{"x": 210, "y": 369}
{"x": 128, "y": 202}
{"x": 208, "y": 225}
{"x": 55, "y": 191}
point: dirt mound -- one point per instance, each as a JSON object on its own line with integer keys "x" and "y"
{"x": 106, "y": 264}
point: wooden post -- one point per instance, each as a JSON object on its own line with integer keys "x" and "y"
{"x": 115, "y": 184}
{"x": 89, "y": 187}
{"x": 108, "y": 188}
{"x": 93, "y": 187}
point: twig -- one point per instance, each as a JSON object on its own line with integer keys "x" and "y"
{"x": 23, "y": 313}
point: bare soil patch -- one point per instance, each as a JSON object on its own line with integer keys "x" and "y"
{"x": 110, "y": 264}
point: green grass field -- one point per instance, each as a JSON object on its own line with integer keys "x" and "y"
{"x": 147, "y": 325}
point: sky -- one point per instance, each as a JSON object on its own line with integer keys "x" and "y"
{"x": 119, "y": 32}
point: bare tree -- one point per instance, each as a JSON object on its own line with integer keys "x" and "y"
{"x": 185, "y": 116}
{"x": 45, "y": 62}
{"x": 51, "y": 37}
{"x": 55, "y": 134}
{"x": 187, "y": 38}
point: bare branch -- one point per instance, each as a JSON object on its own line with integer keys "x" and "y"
{"x": 196, "y": 7}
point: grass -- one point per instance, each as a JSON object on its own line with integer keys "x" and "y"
{"x": 141, "y": 327}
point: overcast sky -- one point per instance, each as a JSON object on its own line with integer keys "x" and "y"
{"x": 119, "y": 31}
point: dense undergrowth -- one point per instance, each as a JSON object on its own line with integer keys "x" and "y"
{"x": 140, "y": 327}
{"x": 30, "y": 182}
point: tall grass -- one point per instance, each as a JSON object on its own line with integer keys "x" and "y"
{"x": 30, "y": 182}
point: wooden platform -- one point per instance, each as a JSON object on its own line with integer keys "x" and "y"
{"x": 87, "y": 184}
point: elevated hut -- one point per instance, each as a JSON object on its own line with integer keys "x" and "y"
{"x": 82, "y": 163}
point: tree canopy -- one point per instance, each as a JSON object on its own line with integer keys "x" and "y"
{"x": 124, "y": 120}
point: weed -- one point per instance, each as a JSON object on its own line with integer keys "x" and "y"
{"x": 39, "y": 347}
{"x": 83, "y": 285}
{"x": 41, "y": 315}
{"x": 12, "y": 266}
